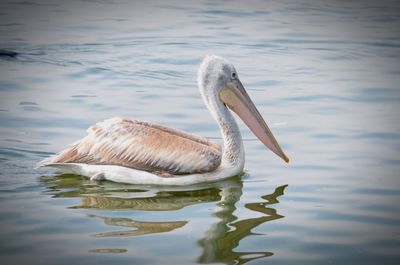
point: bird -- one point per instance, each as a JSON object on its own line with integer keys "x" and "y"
{"x": 139, "y": 152}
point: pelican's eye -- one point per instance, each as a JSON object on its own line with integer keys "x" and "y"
{"x": 234, "y": 75}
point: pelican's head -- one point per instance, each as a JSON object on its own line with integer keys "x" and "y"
{"x": 219, "y": 82}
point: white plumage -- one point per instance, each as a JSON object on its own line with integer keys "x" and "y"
{"x": 131, "y": 151}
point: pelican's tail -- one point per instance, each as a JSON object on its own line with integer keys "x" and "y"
{"x": 48, "y": 161}
{"x": 52, "y": 161}
{"x": 73, "y": 168}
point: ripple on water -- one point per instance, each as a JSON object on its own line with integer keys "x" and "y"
{"x": 108, "y": 250}
{"x": 325, "y": 75}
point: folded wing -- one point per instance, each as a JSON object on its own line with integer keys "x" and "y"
{"x": 144, "y": 146}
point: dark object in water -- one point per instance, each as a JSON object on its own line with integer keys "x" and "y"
{"x": 8, "y": 53}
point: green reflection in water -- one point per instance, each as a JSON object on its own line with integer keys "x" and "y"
{"x": 219, "y": 241}
{"x": 142, "y": 228}
{"x": 114, "y": 196}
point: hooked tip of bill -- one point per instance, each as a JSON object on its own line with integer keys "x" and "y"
{"x": 286, "y": 159}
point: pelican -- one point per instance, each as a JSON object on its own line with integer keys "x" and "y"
{"x": 138, "y": 152}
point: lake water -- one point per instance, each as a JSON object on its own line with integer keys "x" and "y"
{"x": 324, "y": 74}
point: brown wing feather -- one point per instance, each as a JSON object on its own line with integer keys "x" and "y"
{"x": 143, "y": 146}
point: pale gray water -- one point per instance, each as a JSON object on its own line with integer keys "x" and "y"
{"x": 325, "y": 75}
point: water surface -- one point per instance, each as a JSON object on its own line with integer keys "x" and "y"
{"x": 324, "y": 75}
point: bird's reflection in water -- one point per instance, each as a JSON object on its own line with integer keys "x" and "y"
{"x": 142, "y": 228}
{"x": 219, "y": 241}
{"x": 115, "y": 196}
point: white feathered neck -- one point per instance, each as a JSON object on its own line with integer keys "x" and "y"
{"x": 213, "y": 73}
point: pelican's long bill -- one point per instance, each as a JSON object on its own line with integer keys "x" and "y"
{"x": 236, "y": 98}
